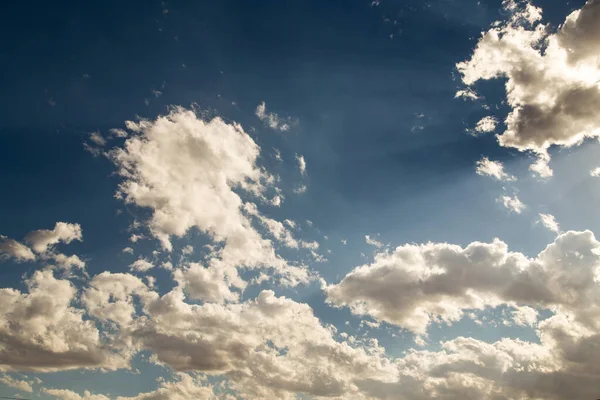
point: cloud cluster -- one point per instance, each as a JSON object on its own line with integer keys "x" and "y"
{"x": 271, "y": 119}
{"x": 552, "y": 78}
{"x": 189, "y": 173}
{"x": 495, "y": 169}
{"x": 42, "y": 242}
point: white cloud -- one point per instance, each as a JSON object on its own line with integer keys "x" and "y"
{"x": 524, "y": 316}
{"x": 128, "y": 250}
{"x": 595, "y": 172}
{"x": 466, "y": 94}
{"x": 66, "y": 394}
{"x": 486, "y": 124}
{"x": 141, "y": 265}
{"x": 373, "y": 242}
{"x": 552, "y": 78}
{"x": 10, "y": 248}
{"x": 171, "y": 162}
{"x": 549, "y": 222}
{"x": 301, "y": 164}
{"x": 41, "y": 331}
{"x": 271, "y": 119}
{"x": 417, "y": 284}
{"x": 19, "y": 384}
{"x": 495, "y": 169}
{"x": 42, "y": 240}
{"x": 512, "y": 203}
{"x": 300, "y": 189}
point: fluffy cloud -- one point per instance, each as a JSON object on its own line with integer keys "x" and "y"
{"x": 486, "y": 125}
{"x": 373, "y": 242}
{"x": 41, "y": 331}
{"x": 188, "y": 173}
{"x": 301, "y": 164}
{"x": 549, "y": 222}
{"x": 10, "y": 248}
{"x": 416, "y": 285}
{"x": 42, "y": 240}
{"x": 512, "y": 203}
{"x": 271, "y": 119}
{"x": 495, "y": 169}
{"x": 19, "y": 384}
{"x": 552, "y": 79}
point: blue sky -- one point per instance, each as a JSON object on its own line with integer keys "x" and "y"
{"x": 279, "y": 199}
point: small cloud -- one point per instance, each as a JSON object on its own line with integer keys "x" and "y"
{"x": 344, "y": 241}
{"x": 373, "y": 242}
{"x": 595, "y": 172}
{"x": 512, "y": 203}
{"x": 271, "y": 119}
{"x": 549, "y": 222}
{"x": 128, "y": 250}
{"x": 495, "y": 169}
{"x": 97, "y": 139}
{"x": 466, "y": 94}
{"x": 300, "y": 189}
{"x": 141, "y": 265}
{"x": 301, "y": 164}
{"x": 486, "y": 124}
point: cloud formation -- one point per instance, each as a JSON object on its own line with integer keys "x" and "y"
{"x": 552, "y": 78}
{"x": 271, "y": 119}
{"x": 495, "y": 169}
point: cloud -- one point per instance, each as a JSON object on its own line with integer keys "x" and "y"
{"x": 512, "y": 203}
{"x": 486, "y": 125}
{"x": 141, "y": 265}
{"x": 42, "y": 240}
{"x": 552, "y": 78}
{"x": 495, "y": 169}
{"x": 10, "y": 248}
{"x": 549, "y": 222}
{"x": 40, "y": 331}
{"x": 466, "y": 94}
{"x": 19, "y": 384}
{"x": 595, "y": 172}
{"x": 185, "y": 387}
{"x": 169, "y": 163}
{"x": 301, "y": 164}
{"x": 417, "y": 284}
{"x": 373, "y": 242}
{"x": 271, "y": 119}
{"x": 97, "y": 139}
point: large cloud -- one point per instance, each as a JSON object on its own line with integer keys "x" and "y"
{"x": 552, "y": 81}
{"x": 42, "y": 331}
{"x": 417, "y": 284}
{"x": 269, "y": 347}
{"x": 189, "y": 172}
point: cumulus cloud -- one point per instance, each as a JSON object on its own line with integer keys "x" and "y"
{"x": 495, "y": 169}
{"x": 552, "y": 78}
{"x": 595, "y": 172}
{"x": 18, "y": 384}
{"x": 417, "y": 284}
{"x": 42, "y": 240}
{"x": 10, "y": 248}
{"x": 185, "y": 387}
{"x": 486, "y": 125}
{"x": 141, "y": 265}
{"x": 170, "y": 163}
{"x": 512, "y": 203}
{"x": 271, "y": 119}
{"x": 549, "y": 222}
{"x": 40, "y": 330}
{"x": 301, "y": 164}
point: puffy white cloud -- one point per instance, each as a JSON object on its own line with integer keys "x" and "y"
{"x": 552, "y": 78}
{"x": 188, "y": 173}
{"x": 486, "y": 124}
{"x": 512, "y": 203}
{"x": 42, "y": 240}
{"x": 466, "y": 94}
{"x": 10, "y": 248}
{"x": 66, "y": 394}
{"x": 549, "y": 222}
{"x": 417, "y": 284}
{"x": 495, "y": 169}
{"x": 41, "y": 331}
{"x": 301, "y": 164}
{"x": 271, "y": 119}
{"x": 524, "y": 316}
{"x": 98, "y": 139}
{"x": 19, "y": 384}
{"x": 141, "y": 265}
{"x": 595, "y": 172}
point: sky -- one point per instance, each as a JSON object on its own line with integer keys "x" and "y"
{"x": 357, "y": 199}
